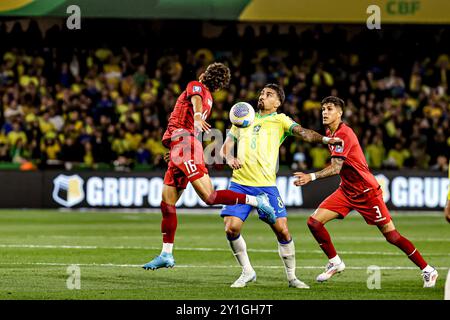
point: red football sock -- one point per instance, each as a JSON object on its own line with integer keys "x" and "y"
{"x": 168, "y": 222}
{"x": 227, "y": 197}
{"x": 322, "y": 237}
{"x": 406, "y": 246}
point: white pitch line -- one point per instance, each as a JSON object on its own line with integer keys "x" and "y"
{"x": 45, "y": 246}
{"x": 56, "y": 264}
{"x": 35, "y": 246}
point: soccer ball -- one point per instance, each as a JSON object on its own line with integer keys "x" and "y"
{"x": 242, "y": 114}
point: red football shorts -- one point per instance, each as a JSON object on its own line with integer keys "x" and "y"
{"x": 186, "y": 163}
{"x": 371, "y": 206}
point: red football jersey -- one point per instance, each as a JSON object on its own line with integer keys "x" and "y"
{"x": 182, "y": 117}
{"x": 356, "y": 177}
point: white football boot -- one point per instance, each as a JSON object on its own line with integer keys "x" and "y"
{"x": 295, "y": 283}
{"x": 429, "y": 278}
{"x": 330, "y": 270}
{"x": 245, "y": 278}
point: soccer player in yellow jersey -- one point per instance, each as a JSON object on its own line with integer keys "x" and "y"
{"x": 447, "y": 207}
{"x": 254, "y": 171}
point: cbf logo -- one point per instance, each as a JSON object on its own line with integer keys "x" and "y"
{"x": 256, "y": 129}
{"x": 68, "y": 190}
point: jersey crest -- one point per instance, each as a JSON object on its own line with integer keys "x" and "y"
{"x": 339, "y": 149}
{"x": 256, "y": 129}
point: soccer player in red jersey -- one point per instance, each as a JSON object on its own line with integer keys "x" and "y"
{"x": 186, "y": 164}
{"x": 358, "y": 190}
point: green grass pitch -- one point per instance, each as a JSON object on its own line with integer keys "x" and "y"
{"x": 36, "y": 247}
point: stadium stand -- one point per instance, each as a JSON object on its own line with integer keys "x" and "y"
{"x": 94, "y": 105}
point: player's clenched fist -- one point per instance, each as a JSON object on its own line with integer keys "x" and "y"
{"x": 302, "y": 178}
{"x": 336, "y": 141}
{"x": 234, "y": 163}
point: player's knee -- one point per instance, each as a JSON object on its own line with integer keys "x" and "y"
{"x": 232, "y": 231}
{"x": 313, "y": 224}
{"x": 210, "y": 198}
{"x": 168, "y": 210}
{"x": 392, "y": 236}
{"x": 169, "y": 197}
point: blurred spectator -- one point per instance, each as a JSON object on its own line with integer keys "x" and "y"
{"x": 397, "y": 156}
{"x": 375, "y": 153}
{"x": 441, "y": 164}
{"x": 16, "y": 134}
{"x": 319, "y": 155}
{"x": 50, "y": 147}
{"x": 143, "y": 155}
{"x": 18, "y": 152}
{"x": 71, "y": 151}
{"x": 299, "y": 159}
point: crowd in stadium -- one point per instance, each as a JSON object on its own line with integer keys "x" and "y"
{"x": 108, "y": 106}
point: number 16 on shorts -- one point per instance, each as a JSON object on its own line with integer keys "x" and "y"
{"x": 190, "y": 166}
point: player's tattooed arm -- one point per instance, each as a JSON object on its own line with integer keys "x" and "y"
{"x": 313, "y": 136}
{"x": 307, "y": 134}
{"x": 331, "y": 170}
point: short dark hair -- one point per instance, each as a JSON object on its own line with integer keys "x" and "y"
{"x": 216, "y": 76}
{"x": 334, "y": 100}
{"x": 278, "y": 90}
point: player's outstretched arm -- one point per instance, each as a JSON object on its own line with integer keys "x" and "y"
{"x": 225, "y": 152}
{"x": 331, "y": 170}
{"x": 313, "y": 136}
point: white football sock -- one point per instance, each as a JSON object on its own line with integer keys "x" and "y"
{"x": 239, "y": 248}
{"x": 335, "y": 260}
{"x": 428, "y": 268}
{"x": 167, "y": 248}
{"x": 287, "y": 255}
{"x": 251, "y": 200}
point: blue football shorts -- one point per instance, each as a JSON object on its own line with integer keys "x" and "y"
{"x": 243, "y": 210}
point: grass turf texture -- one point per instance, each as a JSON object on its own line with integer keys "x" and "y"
{"x": 37, "y": 247}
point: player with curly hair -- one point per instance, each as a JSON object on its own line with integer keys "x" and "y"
{"x": 186, "y": 163}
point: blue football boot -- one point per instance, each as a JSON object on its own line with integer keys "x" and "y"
{"x": 265, "y": 207}
{"x": 164, "y": 260}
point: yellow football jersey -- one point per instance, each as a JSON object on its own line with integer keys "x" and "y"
{"x": 258, "y": 148}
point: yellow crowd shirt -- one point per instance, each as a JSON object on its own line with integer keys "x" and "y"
{"x": 258, "y": 148}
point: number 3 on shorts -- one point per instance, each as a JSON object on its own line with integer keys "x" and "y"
{"x": 190, "y": 166}
{"x": 379, "y": 215}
